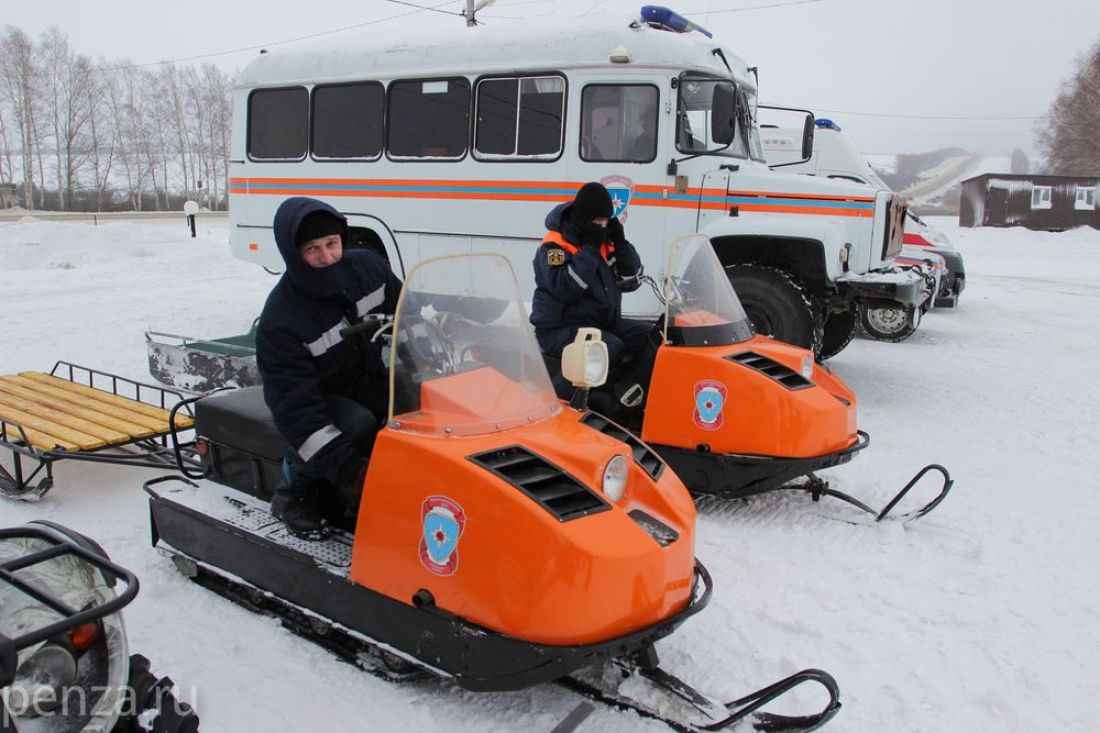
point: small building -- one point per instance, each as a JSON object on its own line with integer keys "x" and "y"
{"x": 7, "y": 195}
{"x": 1032, "y": 201}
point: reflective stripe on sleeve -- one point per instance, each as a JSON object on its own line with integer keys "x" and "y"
{"x": 611, "y": 262}
{"x": 370, "y": 301}
{"x": 317, "y": 441}
{"x": 573, "y": 274}
{"x": 328, "y": 339}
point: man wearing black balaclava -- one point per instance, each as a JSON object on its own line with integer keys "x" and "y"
{"x": 327, "y": 393}
{"x": 581, "y": 267}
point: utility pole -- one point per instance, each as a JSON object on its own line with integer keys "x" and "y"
{"x": 472, "y": 8}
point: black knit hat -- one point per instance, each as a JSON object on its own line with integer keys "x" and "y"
{"x": 592, "y": 200}
{"x": 319, "y": 224}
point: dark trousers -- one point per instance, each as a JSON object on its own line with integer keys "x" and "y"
{"x": 354, "y": 420}
{"x": 628, "y": 337}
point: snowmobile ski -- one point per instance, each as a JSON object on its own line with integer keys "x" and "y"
{"x": 700, "y": 712}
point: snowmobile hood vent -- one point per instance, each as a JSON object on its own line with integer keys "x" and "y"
{"x": 786, "y": 376}
{"x": 555, "y": 490}
{"x": 643, "y": 456}
{"x": 655, "y": 528}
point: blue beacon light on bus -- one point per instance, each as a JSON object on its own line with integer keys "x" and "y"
{"x": 663, "y": 17}
{"x": 826, "y": 124}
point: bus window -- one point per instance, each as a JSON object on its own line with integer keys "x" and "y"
{"x": 347, "y": 121}
{"x": 278, "y": 120}
{"x": 520, "y": 117}
{"x": 619, "y": 123}
{"x": 428, "y": 118}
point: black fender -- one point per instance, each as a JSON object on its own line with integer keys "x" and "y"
{"x": 804, "y": 259}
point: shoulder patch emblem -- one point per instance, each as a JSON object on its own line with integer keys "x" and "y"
{"x": 555, "y": 257}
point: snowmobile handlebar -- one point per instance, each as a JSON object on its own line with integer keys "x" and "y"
{"x": 370, "y": 324}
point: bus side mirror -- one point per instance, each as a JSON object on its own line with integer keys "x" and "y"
{"x": 585, "y": 362}
{"x": 722, "y": 114}
{"x": 808, "y": 137}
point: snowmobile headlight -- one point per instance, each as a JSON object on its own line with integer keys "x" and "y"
{"x": 614, "y": 478}
{"x": 585, "y": 362}
{"x": 807, "y": 366}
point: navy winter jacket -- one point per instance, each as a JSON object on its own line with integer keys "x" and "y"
{"x": 299, "y": 350}
{"x": 575, "y": 286}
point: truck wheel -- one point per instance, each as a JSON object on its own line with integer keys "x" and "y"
{"x": 840, "y": 329}
{"x": 778, "y": 305}
{"x": 888, "y": 323}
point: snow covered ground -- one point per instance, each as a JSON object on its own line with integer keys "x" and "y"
{"x": 982, "y": 616}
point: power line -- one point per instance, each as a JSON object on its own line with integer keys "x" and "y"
{"x": 426, "y": 7}
{"x": 989, "y": 118}
{"x": 754, "y": 7}
{"x": 419, "y": 9}
{"x": 927, "y": 117}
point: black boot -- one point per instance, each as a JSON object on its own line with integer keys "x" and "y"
{"x": 300, "y": 513}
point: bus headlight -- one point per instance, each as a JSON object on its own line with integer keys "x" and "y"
{"x": 614, "y": 478}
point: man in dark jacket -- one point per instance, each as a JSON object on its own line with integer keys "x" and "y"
{"x": 328, "y": 393}
{"x": 580, "y": 267}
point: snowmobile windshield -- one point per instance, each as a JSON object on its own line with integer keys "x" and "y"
{"x": 701, "y": 307}
{"x": 464, "y": 360}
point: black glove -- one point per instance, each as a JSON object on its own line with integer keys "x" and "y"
{"x": 615, "y": 233}
{"x": 592, "y": 236}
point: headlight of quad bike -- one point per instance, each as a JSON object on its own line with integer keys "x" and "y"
{"x": 76, "y": 681}
{"x": 614, "y": 478}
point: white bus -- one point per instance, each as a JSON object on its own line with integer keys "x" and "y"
{"x": 463, "y": 141}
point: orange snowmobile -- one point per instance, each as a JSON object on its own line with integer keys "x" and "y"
{"x": 734, "y": 413}
{"x": 500, "y": 540}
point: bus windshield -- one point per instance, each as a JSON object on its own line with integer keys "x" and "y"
{"x": 702, "y": 308}
{"x": 464, "y": 360}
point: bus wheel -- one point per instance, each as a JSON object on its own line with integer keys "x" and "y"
{"x": 778, "y": 305}
{"x": 840, "y": 329}
{"x": 893, "y": 323}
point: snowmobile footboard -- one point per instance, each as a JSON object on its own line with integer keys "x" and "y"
{"x": 737, "y": 476}
{"x": 83, "y": 414}
{"x": 233, "y": 536}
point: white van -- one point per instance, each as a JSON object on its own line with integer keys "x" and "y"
{"x": 836, "y": 156}
{"x": 464, "y": 141}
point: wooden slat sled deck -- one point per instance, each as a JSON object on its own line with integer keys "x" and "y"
{"x": 48, "y": 417}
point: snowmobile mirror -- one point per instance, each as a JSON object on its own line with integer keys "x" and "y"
{"x": 585, "y": 362}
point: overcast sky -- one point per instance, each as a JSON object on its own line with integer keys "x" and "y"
{"x": 903, "y": 61}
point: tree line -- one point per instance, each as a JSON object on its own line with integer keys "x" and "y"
{"x": 84, "y": 135}
{"x": 1069, "y": 135}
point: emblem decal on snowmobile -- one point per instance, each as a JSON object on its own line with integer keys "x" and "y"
{"x": 555, "y": 257}
{"x": 710, "y": 398}
{"x": 443, "y": 521}
{"x": 620, "y": 188}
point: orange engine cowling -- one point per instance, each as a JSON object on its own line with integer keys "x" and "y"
{"x": 495, "y": 536}
{"x": 748, "y": 398}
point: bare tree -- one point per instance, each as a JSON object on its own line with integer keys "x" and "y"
{"x": 90, "y": 127}
{"x": 17, "y": 88}
{"x": 102, "y": 136}
{"x": 67, "y": 90}
{"x": 1068, "y": 136}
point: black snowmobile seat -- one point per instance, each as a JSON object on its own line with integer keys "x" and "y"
{"x": 240, "y": 418}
